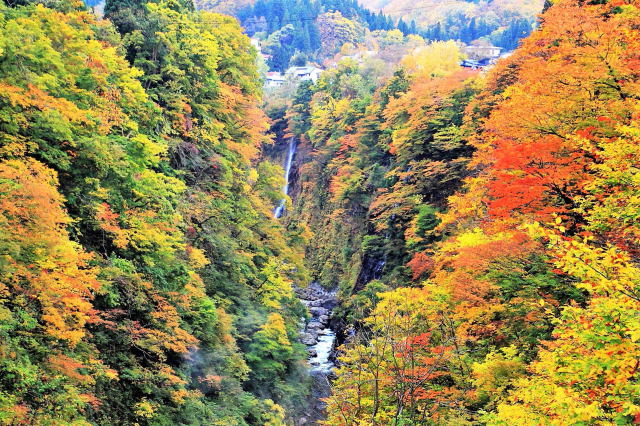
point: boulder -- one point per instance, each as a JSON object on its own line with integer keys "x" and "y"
{"x": 313, "y": 353}
{"x": 308, "y": 339}
{"x": 329, "y": 303}
{"x": 314, "y": 325}
{"x": 318, "y": 311}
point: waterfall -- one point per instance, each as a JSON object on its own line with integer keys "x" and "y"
{"x": 277, "y": 213}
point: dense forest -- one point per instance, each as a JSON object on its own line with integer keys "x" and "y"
{"x": 502, "y": 22}
{"x": 479, "y": 227}
{"x": 142, "y": 279}
{"x": 483, "y": 228}
{"x": 293, "y": 31}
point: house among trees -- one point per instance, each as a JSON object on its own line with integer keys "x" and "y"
{"x": 480, "y": 56}
{"x": 475, "y": 65}
{"x": 482, "y": 52}
{"x": 294, "y": 74}
{"x": 304, "y": 73}
{"x": 274, "y": 79}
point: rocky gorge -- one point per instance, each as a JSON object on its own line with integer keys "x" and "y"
{"x": 320, "y": 339}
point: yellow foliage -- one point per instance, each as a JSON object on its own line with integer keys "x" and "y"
{"x": 438, "y": 59}
{"x": 589, "y": 372}
{"x": 145, "y": 409}
{"x": 276, "y": 329}
{"x": 493, "y": 377}
{"x": 57, "y": 275}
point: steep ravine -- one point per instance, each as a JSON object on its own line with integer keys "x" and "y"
{"x": 320, "y": 339}
{"x": 317, "y": 332}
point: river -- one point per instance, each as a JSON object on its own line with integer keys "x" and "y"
{"x": 320, "y": 340}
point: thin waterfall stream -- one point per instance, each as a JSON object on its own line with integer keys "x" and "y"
{"x": 293, "y": 145}
{"x": 316, "y": 332}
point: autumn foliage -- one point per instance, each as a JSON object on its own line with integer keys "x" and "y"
{"x": 131, "y": 211}
{"x": 482, "y": 227}
{"x": 526, "y": 308}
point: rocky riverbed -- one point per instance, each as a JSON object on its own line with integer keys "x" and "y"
{"x": 320, "y": 340}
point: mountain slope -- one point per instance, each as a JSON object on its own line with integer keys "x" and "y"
{"x": 430, "y": 12}
{"x": 502, "y": 22}
{"x": 515, "y": 300}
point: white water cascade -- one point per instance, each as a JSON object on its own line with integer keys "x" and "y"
{"x": 320, "y": 340}
{"x": 277, "y": 213}
{"x": 323, "y": 349}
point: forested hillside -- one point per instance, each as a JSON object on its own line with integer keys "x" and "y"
{"x": 469, "y": 238}
{"x": 483, "y": 228}
{"x": 142, "y": 279}
{"x": 308, "y": 27}
{"x": 504, "y": 22}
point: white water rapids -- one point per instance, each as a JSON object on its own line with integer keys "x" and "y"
{"x": 320, "y": 340}
{"x": 323, "y": 348}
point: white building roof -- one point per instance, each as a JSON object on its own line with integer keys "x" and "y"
{"x": 303, "y": 70}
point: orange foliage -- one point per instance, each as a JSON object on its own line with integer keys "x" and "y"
{"x": 69, "y": 367}
{"x": 42, "y": 262}
{"x": 420, "y": 104}
{"x": 420, "y": 264}
{"x": 33, "y": 97}
{"x": 579, "y": 67}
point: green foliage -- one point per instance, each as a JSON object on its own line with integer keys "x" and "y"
{"x": 150, "y": 224}
{"x": 389, "y": 155}
{"x": 291, "y": 27}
